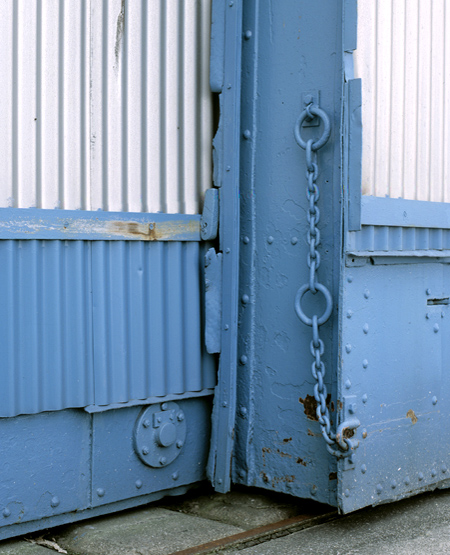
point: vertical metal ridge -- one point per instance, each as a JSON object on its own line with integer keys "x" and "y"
{"x": 38, "y": 129}
{"x": 162, "y": 107}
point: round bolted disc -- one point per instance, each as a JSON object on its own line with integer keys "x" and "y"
{"x": 158, "y": 434}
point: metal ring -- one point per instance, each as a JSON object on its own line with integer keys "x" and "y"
{"x": 298, "y": 308}
{"x": 318, "y": 143}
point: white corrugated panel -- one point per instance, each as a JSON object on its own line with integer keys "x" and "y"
{"x": 105, "y": 104}
{"x": 403, "y": 58}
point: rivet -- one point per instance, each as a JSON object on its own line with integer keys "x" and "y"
{"x": 364, "y": 434}
{"x": 349, "y": 279}
{"x": 436, "y": 328}
{"x": 158, "y": 420}
{"x": 270, "y": 239}
{"x": 348, "y": 348}
{"x": 379, "y": 489}
{"x": 348, "y": 384}
{"x": 266, "y": 478}
{"x": 363, "y": 468}
{"x": 434, "y": 400}
{"x": 226, "y": 327}
{"x": 231, "y": 3}
{"x": 407, "y": 481}
{"x": 428, "y": 291}
{"x": 179, "y": 444}
{"x": 145, "y": 450}
{"x": 219, "y": 481}
{"x": 349, "y": 314}
{"x": 55, "y": 501}
{"x": 248, "y": 35}
{"x": 162, "y": 461}
{"x": 242, "y": 474}
{"x": 427, "y": 316}
{"x": 100, "y": 492}
{"x": 228, "y": 168}
{"x": 227, "y": 250}
{"x": 443, "y": 469}
{"x": 364, "y": 398}
{"x": 347, "y": 493}
{"x": 245, "y": 299}
{"x": 308, "y": 99}
{"x": 246, "y": 240}
{"x": 146, "y": 423}
{"x": 243, "y": 360}
{"x": 165, "y": 406}
{"x": 138, "y": 484}
{"x": 393, "y": 484}
{"x": 352, "y": 408}
{"x": 224, "y": 404}
{"x": 229, "y": 86}
{"x": 175, "y": 476}
{"x": 366, "y": 328}
{"x": 366, "y": 294}
{"x": 243, "y": 412}
{"x": 365, "y": 363}
{"x": 180, "y": 416}
{"x": 247, "y": 134}
{"x": 420, "y": 476}
{"x": 434, "y": 472}
{"x": 294, "y": 240}
{"x": 313, "y": 490}
{"x": 6, "y": 512}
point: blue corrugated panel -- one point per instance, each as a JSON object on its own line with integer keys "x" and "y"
{"x": 147, "y": 323}
{"x": 45, "y": 326}
{"x": 121, "y": 314}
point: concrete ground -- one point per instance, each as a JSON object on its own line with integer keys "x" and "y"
{"x": 193, "y": 524}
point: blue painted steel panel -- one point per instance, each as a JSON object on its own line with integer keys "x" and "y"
{"x": 392, "y": 239}
{"x": 118, "y": 473}
{"x": 291, "y": 48}
{"x": 394, "y": 361}
{"x": 45, "y": 323}
{"x": 147, "y": 321}
{"x": 45, "y": 466}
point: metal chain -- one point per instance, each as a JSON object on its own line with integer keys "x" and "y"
{"x": 337, "y": 447}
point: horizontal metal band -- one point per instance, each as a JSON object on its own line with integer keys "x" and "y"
{"x": 33, "y": 223}
{"x": 150, "y": 400}
{"x": 397, "y": 212}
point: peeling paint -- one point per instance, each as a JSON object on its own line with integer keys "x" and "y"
{"x": 300, "y": 461}
{"x": 119, "y": 33}
{"x": 411, "y": 414}
{"x": 310, "y": 406}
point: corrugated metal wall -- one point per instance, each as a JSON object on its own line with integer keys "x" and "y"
{"x": 105, "y": 104}
{"x": 403, "y": 58}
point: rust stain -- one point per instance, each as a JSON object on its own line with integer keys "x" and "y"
{"x": 162, "y": 231}
{"x": 332, "y": 476}
{"x": 348, "y": 433}
{"x": 284, "y": 454}
{"x": 265, "y": 477}
{"x": 287, "y": 440}
{"x": 264, "y": 451}
{"x": 340, "y": 405}
{"x": 310, "y": 406}
{"x": 300, "y": 461}
{"x": 310, "y": 433}
{"x": 288, "y": 479}
{"x": 411, "y": 414}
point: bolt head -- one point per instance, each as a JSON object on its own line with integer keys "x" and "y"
{"x": 146, "y": 423}
{"x": 180, "y": 416}
{"x": 352, "y": 408}
{"x": 175, "y": 476}
{"x": 55, "y": 502}
{"x": 100, "y": 492}
{"x": 138, "y": 484}
{"x": 145, "y": 450}
{"x": 165, "y": 406}
{"x": 162, "y": 461}
{"x": 6, "y": 512}
{"x": 179, "y": 444}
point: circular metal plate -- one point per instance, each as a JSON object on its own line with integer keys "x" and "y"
{"x": 160, "y": 434}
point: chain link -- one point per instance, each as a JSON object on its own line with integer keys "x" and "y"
{"x": 317, "y": 347}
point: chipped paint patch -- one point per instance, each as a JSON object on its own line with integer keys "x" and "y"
{"x": 411, "y": 414}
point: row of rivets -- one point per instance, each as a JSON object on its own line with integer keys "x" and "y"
{"x": 407, "y": 480}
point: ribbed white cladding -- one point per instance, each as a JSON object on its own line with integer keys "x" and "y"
{"x": 105, "y": 104}
{"x": 403, "y": 58}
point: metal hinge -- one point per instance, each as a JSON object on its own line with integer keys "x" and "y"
{"x": 213, "y": 301}
{"x": 209, "y": 223}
